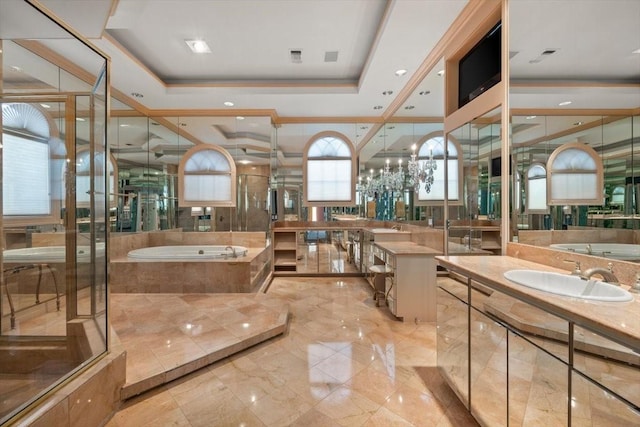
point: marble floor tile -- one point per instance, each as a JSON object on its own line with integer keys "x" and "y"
{"x": 341, "y": 362}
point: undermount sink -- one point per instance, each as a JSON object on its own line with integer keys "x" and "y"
{"x": 568, "y": 285}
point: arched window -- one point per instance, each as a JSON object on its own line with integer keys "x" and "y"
{"x": 431, "y": 158}
{"x": 83, "y": 178}
{"x": 574, "y": 176}
{"x": 329, "y": 171}
{"x": 207, "y": 177}
{"x": 30, "y": 143}
{"x": 536, "y": 191}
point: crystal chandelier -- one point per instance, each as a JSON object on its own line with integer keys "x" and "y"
{"x": 393, "y": 181}
{"x": 388, "y": 181}
{"x": 421, "y": 171}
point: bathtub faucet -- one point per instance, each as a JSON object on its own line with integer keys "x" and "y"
{"x": 233, "y": 250}
{"x": 606, "y": 273}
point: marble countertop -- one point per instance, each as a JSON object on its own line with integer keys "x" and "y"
{"x": 618, "y": 321}
{"x": 407, "y": 248}
{"x": 382, "y": 230}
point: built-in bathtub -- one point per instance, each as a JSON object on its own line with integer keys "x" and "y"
{"x": 190, "y": 269}
{"x": 188, "y": 252}
{"x": 48, "y": 254}
{"x": 621, "y": 251}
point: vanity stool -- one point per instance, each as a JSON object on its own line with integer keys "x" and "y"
{"x": 379, "y": 273}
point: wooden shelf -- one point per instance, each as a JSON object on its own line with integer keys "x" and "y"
{"x": 284, "y": 251}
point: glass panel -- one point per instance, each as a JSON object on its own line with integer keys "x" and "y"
{"x": 453, "y": 337}
{"x": 488, "y": 349}
{"x": 538, "y": 385}
{"x": 54, "y": 258}
{"x": 593, "y": 406}
{"x": 611, "y": 365}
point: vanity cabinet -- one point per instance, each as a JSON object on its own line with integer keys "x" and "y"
{"x": 474, "y": 237}
{"x": 515, "y": 359}
{"x": 410, "y": 284}
{"x": 369, "y": 236}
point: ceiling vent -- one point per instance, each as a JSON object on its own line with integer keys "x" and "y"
{"x": 296, "y": 56}
{"x": 331, "y": 56}
{"x": 545, "y": 54}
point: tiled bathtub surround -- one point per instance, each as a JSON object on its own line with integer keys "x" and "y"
{"x": 243, "y": 274}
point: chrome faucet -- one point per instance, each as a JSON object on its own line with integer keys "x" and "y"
{"x": 606, "y": 273}
{"x": 397, "y": 227}
{"x": 233, "y": 250}
{"x": 589, "y": 250}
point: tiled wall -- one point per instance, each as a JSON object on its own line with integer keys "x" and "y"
{"x": 90, "y": 399}
{"x": 585, "y": 235}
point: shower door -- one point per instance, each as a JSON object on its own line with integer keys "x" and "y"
{"x": 54, "y": 209}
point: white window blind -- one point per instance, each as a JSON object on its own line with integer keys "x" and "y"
{"x": 437, "y": 188}
{"x": 537, "y": 194}
{"x": 329, "y": 180}
{"x": 207, "y": 188}
{"x": 25, "y": 177}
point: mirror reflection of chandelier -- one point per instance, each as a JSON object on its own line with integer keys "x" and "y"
{"x": 421, "y": 171}
{"x": 388, "y": 181}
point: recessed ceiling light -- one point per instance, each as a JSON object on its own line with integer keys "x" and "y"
{"x": 229, "y": 104}
{"x": 401, "y": 72}
{"x": 562, "y": 104}
{"x": 377, "y": 107}
{"x": 239, "y": 118}
{"x": 45, "y": 106}
{"x": 387, "y": 92}
{"x": 124, "y": 125}
{"x": 425, "y": 92}
{"x": 245, "y": 162}
{"x": 441, "y": 73}
{"x": 636, "y": 51}
{"x": 409, "y": 107}
{"x": 530, "y": 117}
{"x": 578, "y": 123}
{"x": 16, "y": 68}
{"x": 137, "y": 95}
{"x": 198, "y": 46}
{"x": 79, "y": 119}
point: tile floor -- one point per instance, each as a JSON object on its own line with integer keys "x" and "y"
{"x": 167, "y": 336}
{"x": 342, "y": 362}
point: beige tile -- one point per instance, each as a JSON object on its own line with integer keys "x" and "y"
{"x": 347, "y": 407}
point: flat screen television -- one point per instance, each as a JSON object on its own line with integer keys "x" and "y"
{"x": 480, "y": 68}
{"x": 496, "y": 166}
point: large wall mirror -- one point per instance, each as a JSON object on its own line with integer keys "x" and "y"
{"x": 560, "y": 95}
{"x": 287, "y": 174}
{"x": 148, "y": 151}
